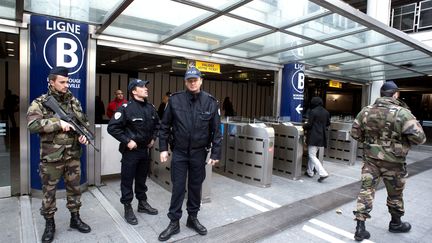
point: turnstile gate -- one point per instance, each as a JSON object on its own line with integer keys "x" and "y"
{"x": 341, "y": 147}
{"x": 249, "y": 153}
{"x": 288, "y": 150}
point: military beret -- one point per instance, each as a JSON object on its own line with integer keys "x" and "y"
{"x": 62, "y": 71}
{"x": 137, "y": 82}
{"x": 389, "y": 85}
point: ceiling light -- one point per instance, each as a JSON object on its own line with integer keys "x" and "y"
{"x": 247, "y": 79}
{"x": 11, "y": 55}
{"x": 171, "y": 71}
{"x": 268, "y": 74}
{"x": 159, "y": 65}
{"x": 9, "y": 42}
{"x": 103, "y": 64}
{"x": 145, "y": 68}
{"x": 264, "y": 78}
{"x": 10, "y": 49}
{"x": 230, "y": 77}
{"x": 113, "y": 61}
{"x": 239, "y": 71}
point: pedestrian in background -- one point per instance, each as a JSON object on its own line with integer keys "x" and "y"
{"x": 60, "y": 151}
{"x": 387, "y": 129}
{"x": 115, "y": 103}
{"x": 135, "y": 125}
{"x": 316, "y": 137}
{"x": 227, "y": 107}
{"x": 163, "y": 104}
{"x": 192, "y": 119}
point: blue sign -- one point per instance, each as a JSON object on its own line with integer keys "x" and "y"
{"x": 56, "y": 42}
{"x": 293, "y": 83}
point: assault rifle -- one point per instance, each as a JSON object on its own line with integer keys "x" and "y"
{"x": 79, "y": 127}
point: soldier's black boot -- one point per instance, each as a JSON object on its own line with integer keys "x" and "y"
{"x": 129, "y": 214}
{"x": 144, "y": 207}
{"x": 77, "y": 223}
{"x": 193, "y": 223}
{"x": 397, "y": 226}
{"x": 361, "y": 232}
{"x": 48, "y": 234}
{"x": 172, "y": 229}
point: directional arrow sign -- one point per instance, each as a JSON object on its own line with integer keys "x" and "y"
{"x": 299, "y": 108}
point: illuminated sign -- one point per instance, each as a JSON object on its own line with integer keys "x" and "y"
{"x": 207, "y": 67}
{"x": 335, "y": 84}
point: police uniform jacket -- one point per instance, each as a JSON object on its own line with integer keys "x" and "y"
{"x": 191, "y": 121}
{"x": 135, "y": 120}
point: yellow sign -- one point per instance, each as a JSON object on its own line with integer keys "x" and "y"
{"x": 207, "y": 67}
{"x": 335, "y": 84}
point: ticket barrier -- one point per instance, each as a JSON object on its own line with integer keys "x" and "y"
{"x": 220, "y": 166}
{"x": 249, "y": 153}
{"x": 341, "y": 147}
{"x": 288, "y": 150}
{"x": 161, "y": 173}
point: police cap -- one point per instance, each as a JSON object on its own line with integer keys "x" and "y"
{"x": 192, "y": 72}
{"x": 59, "y": 70}
{"x": 137, "y": 83}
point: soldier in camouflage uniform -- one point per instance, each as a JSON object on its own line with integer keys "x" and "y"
{"x": 60, "y": 151}
{"x": 387, "y": 129}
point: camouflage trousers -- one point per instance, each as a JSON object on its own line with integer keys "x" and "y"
{"x": 50, "y": 174}
{"x": 393, "y": 176}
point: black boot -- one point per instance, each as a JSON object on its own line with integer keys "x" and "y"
{"x": 77, "y": 223}
{"x": 172, "y": 229}
{"x": 193, "y": 223}
{"x": 397, "y": 226}
{"x": 144, "y": 207}
{"x": 48, "y": 235}
{"x": 129, "y": 214}
{"x": 361, "y": 232}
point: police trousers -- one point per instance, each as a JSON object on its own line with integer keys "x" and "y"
{"x": 135, "y": 166}
{"x": 190, "y": 165}
{"x": 394, "y": 178}
{"x": 50, "y": 173}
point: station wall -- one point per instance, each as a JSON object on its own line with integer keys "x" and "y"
{"x": 249, "y": 99}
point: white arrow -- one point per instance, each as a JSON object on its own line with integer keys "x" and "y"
{"x": 299, "y": 109}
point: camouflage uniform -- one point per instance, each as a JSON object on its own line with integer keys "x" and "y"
{"x": 387, "y": 129}
{"x": 60, "y": 151}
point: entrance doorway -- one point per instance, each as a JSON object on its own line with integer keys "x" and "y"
{"x": 9, "y": 113}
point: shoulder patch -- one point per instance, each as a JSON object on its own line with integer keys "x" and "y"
{"x": 117, "y": 115}
{"x": 125, "y": 105}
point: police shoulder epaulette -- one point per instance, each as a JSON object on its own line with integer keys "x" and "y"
{"x": 211, "y": 96}
{"x": 125, "y": 104}
{"x": 178, "y": 92}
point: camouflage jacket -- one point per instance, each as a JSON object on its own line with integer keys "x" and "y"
{"x": 54, "y": 143}
{"x": 387, "y": 129}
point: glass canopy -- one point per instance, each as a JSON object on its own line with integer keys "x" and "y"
{"x": 328, "y": 36}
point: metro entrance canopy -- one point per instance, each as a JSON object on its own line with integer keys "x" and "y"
{"x": 331, "y": 38}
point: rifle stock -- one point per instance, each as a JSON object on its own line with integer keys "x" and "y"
{"x": 80, "y": 128}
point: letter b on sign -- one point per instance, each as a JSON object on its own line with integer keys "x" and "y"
{"x": 300, "y": 81}
{"x": 66, "y": 52}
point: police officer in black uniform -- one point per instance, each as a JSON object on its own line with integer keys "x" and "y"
{"x": 135, "y": 124}
{"x": 192, "y": 124}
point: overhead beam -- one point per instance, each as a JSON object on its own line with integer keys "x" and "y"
{"x": 113, "y": 15}
{"x": 19, "y": 10}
